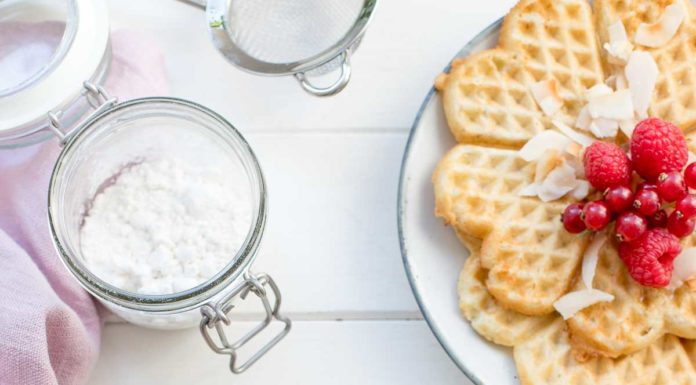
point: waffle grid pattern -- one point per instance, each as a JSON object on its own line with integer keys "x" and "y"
{"x": 493, "y": 322}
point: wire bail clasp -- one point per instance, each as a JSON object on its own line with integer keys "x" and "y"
{"x": 97, "y": 97}
{"x": 215, "y": 315}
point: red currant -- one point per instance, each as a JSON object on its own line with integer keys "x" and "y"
{"x": 687, "y": 206}
{"x": 659, "y": 219}
{"x": 680, "y": 225}
{"x": 646, "y": 202}
{"x": 630, "y": 226}
{"x": 690, "y": 175}
{"x": 572, "y": 219}
{"x": 671, "y": 186}
{"x": 619, "y": 199}
{"x": 597, "y": 215}
{"x": 646, "y": 186}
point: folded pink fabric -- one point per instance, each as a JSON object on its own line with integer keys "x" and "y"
{"x": 49, "y": 326}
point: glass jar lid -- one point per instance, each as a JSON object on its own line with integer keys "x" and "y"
{"x": 48, "y": 48}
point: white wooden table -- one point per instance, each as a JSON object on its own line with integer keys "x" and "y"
{"x": 332, "y": 168}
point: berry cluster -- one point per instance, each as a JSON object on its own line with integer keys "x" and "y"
{"x": 650, "y": 214}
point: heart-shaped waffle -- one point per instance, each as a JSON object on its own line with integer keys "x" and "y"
{"x": 674, "y": 99}
{"x": 636, "y": 317}
{"x": 559, "y": 42}
{"x": 486, "y": 96}
{"x": 493, "y": 322}
{"x": 547, "y": 358}
{"x": 529, "y": 256}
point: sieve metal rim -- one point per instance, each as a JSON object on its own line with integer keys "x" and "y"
{"x": 217, "y": 28}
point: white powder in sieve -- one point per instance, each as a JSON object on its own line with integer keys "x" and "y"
{"x": 164, "y": 226}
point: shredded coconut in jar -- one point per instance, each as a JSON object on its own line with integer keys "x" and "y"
{"x": 165, "y": 226}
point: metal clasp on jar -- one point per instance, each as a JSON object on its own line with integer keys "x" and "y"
{"x": 98, "y": 99}
{"x": 215, "y": 316}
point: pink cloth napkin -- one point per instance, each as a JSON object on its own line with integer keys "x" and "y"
{"x": 50, "y": 327}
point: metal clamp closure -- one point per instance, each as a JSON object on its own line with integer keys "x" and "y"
{"x": 98, "y": 99}
{"x": 215, "y": 316}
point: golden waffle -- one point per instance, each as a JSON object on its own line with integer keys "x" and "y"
{"x": 547, "y": 359}
{"x": 632, "y": 14}
{"x": 558, "y": 39}
{"x": 530, "y": 257}
{"x": 675, "y": 92}
{"x": 637, "y": 317}
{"x": 493, "y": 322}
{"x": 487, "y": 99}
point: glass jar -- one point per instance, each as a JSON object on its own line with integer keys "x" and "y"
{"x": 70, "y": 45}
{"x": 62, "y": 99}
{"x": 135, "y": 131}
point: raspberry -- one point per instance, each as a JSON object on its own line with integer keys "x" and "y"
{"x": 606, "y": 165}
{"x": 657, "y": 147}
{"x": 649, "y": 258}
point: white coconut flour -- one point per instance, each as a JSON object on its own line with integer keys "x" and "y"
{"x": 164, "y": 226}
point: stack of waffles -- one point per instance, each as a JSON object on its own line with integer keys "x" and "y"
{"x": 521, "y": 258}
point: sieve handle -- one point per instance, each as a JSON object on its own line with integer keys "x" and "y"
{"x": 198, "y": 3}
{"x": 333, "y": 89}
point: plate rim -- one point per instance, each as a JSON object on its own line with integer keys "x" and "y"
{"x": 401, "y": 203}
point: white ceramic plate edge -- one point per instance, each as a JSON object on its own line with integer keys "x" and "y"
{"x": 480, "y": 372}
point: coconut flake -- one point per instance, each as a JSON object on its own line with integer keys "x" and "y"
{"x": 584, "y": 119}
{"x": 574, "y": 149}
{"x": 619, "y": 47}
{"x": 627, "y": 126}
{"x": 641, "y": 73}
{"x": 581, "y": 190}
{"x": 615, "y": 106}
{"x": 581, "y": 139}
{"x": 659, "y": 33}
{"x": 530, "y": 190}
{"x": 546, "y": 95}
{"x": 560, "y": 181}
{"x": 604, "y": 128}
{"x": 691, "y": 158}
{"x": 541, "y": 142}
{"x": 551, "y": 159}
{"x": 684, "y": 268}
{"x": 571, "y": 303}
{"x": 574, "y": 162}
{"x": 599, "y": 89}
{"x": 591, "y": 257}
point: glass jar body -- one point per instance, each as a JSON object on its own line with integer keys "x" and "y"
{"x": 138, "y": 131}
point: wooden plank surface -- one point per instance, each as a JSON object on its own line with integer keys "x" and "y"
{"x": 332, "y": 168}
{"x": 315, "y": 352}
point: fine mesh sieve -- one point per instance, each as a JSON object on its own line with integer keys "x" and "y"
{"x": 290, "y": 37}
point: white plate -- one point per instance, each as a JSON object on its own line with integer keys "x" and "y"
{"x": 432, "y": 255}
